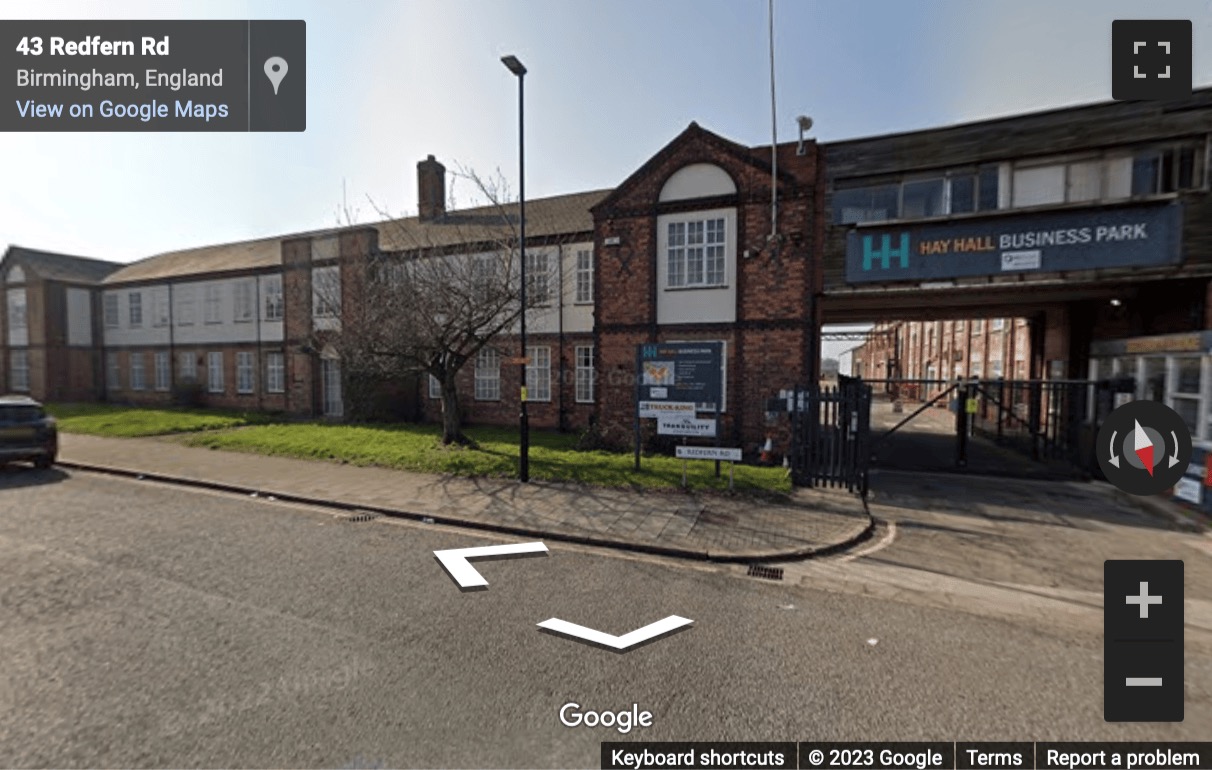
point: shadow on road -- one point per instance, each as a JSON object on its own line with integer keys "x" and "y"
{"x": 17, "y": 475}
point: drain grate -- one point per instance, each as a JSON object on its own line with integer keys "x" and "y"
{"x": 765, "y": 573}
{"x": 357, "y": 516}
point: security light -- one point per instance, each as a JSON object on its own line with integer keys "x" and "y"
{"x": 805, "y": 124}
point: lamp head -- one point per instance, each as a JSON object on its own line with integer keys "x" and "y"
{"x": 514, "y": 65}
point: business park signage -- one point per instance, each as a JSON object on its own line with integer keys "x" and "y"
{"x": 679, "y": 373}
{"x": 1049, "y": 242}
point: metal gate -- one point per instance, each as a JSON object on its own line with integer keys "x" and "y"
{"x": 1002, "y": 427}
{"x": 831, "y": 435}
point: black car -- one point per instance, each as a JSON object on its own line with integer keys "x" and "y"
{"x": 27, "y": 432}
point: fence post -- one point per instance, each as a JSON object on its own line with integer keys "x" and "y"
{"x": 962, "y": 392}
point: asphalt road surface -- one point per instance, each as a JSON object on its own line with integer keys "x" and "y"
{"x": 151, "y": 626}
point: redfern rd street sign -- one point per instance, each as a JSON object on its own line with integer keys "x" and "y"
{"x": 709, "y": 453}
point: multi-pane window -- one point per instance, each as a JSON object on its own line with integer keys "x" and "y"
{"x": 275, "y": 372}
{"x": 695, "y": 253}
{"x": 134, "y": 304}
{"x": 160, "y": 308}
{"x": 584, "y": 373}
{"x": 214, "y": 304}
{"x": 110, "y": 308}
{"x": 488, "y": 375}
{"x": 136, "y": 372}
{"x": 274, "y": 305}
{"x": 1166, "y": 169}
{"x": 435, "y": 387}
{"x": 188, "y": 366}
{"x": 214, "y": 372}
{"x": 326, "y": 292}
{"x": 17, "y": 313}
{"x": 244, "y": 300}
{"x": 244, "y": 372}
{"x": 185, "y": 305}
{"x": 978, "y": 325}
{"x": 538, "y": 278}
{"x": 538, "y": 373}
{"x": 584, "y": 276}
{"x": 163, "y": 376}
{"x": 997, "y": 324}
{"x": 19, "y": 369}
{"x": 113, "y": 374}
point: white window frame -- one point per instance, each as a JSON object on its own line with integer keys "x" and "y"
{"x": 134, "y": 308}
{"x": 18, "y": 309}
{"x": 163, "y": 376}
{"x": 113, "y": 372}
{"x": 679, "y": 245}
{"x": 584, "y": 277}
{"x": 274, "y": 306}
{"x": 214, "y": 304}
{"x": 583, "y": 360}
{"x": 331, "y": 391}
{"x": 187, "y": 362}
{"x": 185, "y": 306}
{"x": 138, "y": 380}
{"x": 997, "y": 324}
{"x": 538, "y": 278}
{"x": 214, "y": 373}
{"x": 19, "y": 369}
{"x": 275, "y": 372}
{"x": 323, "y": 306}
{"x": 538, "y": 373}
{"x": 488, "y": 375}
{"x": 435, "y": 387}
{"x": 246, "y": 372}
{"x": 110, "y": 311}
{"x": 244, "y": 301}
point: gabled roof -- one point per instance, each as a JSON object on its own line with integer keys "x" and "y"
{"x": 51, "y": 266}
{"x": 545, "y": 217}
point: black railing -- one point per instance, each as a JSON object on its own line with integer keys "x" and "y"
{"x": 831, "y": 431}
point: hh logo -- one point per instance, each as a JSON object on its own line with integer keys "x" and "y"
{"x": 650, "y": 351}
{"x": 886, "y": 253}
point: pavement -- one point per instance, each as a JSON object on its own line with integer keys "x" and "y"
{"x": 705, "y": 526}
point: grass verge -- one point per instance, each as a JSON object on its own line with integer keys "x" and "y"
{"x": 418, "y": 448}
{"x": 118, "y": 421}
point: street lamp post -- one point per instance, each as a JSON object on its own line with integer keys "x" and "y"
{"x": 515, "y": 66}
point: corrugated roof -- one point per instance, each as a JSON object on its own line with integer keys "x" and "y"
{"x": 554, "y": 216}
{"x": 52, "y": 266}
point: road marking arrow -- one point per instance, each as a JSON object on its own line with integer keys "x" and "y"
{"x": 619, "y": 643}
{"x": 455, "y": 561}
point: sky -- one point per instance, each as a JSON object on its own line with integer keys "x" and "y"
{"x": 609, "y": 84}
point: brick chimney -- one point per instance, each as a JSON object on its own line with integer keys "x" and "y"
{"x": 431, "y": 189}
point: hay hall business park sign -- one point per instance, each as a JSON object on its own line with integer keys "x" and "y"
{"x": 1086, "y": 239}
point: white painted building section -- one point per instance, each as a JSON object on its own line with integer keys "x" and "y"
{"x": 698, "y": 180}
{"x": 231, "y": 310}
{"x": 79, "y": 317}
{"x": 696, "y": 291}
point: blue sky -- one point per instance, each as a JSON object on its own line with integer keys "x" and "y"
{"x": 610, "y": 83}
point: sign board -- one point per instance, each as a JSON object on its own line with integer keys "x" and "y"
{"x": 709, "y": 453}
{"x": 660, "y": 409}
{"x": 1189, "y": 489}
{"x": 1107, "y": 237}
{"x": 681, "y": 371}
{"x": 972, "y": 406}
{"x": 685, "y": 426}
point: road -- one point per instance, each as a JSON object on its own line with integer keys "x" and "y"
{"x": 144, "y": 625}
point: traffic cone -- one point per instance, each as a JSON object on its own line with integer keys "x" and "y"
{"x": 767, "y": 451}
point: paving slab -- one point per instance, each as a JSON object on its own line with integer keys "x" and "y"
{"x": 703, "y": 525}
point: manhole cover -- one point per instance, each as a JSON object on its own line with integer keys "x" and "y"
{"x": 765, "y": 573}
{"x": 357, "y": 516}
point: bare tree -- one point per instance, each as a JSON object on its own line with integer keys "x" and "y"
{"x": 435, "y": 294}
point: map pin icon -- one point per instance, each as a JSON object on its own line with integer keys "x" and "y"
{"x": 275, "y": 70}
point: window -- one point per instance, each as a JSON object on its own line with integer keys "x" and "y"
{"x": 19, "y": 369}
{"x": 163, "y": 376}
{"x": 188, "y": 365}
{"x": 134, "y": 303}
{"x": 584, "y": 370}
{"x": 866, "y": 204}
{"x": 987, "y": 187}
{"x": 1039, "y": 185}
{"x": 275, "y": 373}
{"x": 584, "y": 276}
{"x": 538, "y": 374}
{"x": 1166, "y": 169}
{"x": 435, "y": 387}
{"x": 273, "y": 298}
{"x": 326, "y": 292}
{"x": 330, "y": 379}
{"x": 160, "y": 317}
{"x": 959, "y": 325}
{"x": 214, "y": 304}
{"x": 111, "y": 311}
{"x": 995, "y": 369}
{"x": 1186, "y": 394}
{"x": 244, "y": 300}
{"x": 923, "y": 199}
{"x": 245, "y": 382}
{"x": 978, "y": 325}
{"x": 214, "y": 372}
{"x": 538, "y": 283}
{"x": 136, "y": 372}
{"x": 997, "y": 324}
{"x": 113, "y": 375}
{"x": 976, "y": 366}
{"x": 488, "y": 375}
{"x": 185, "y": 306}
{"x": 695, "y": 253}
{"x": 17, "y": 312}
{"x": 962, "y": 193}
